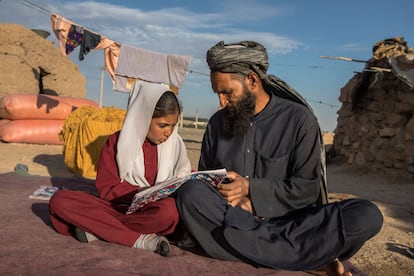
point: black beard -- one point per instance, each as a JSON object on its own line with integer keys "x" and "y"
{"x": 237, "y": 118}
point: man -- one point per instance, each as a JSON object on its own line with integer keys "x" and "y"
{"x": 272, "y": 212}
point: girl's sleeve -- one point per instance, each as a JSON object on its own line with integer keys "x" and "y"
{"x": 108, "y": 182}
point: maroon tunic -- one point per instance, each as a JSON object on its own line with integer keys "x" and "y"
{"x": 105, "y": 216}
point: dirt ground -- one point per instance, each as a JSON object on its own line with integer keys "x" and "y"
{"x": 391, "y": 252}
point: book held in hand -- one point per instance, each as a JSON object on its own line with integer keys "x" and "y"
{"x": 165, "y": 188}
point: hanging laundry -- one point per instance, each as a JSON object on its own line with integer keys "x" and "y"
{"x": 61, "y": 27}
{"x": 136, "y": 63}
{"x": 74, "y": 38}
{"x": 89, "y": 41}
{"x": 150, "y": 66}
{"x": 111, "y": 54}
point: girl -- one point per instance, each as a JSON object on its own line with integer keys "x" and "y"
{"x": 147, "y": 150}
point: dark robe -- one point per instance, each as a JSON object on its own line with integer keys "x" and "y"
{"x": 280, "y": 154}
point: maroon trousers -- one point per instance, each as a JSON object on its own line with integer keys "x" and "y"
{"x": 107, "y": 220}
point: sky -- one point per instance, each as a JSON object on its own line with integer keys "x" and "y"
{"x": 295, "y": 33}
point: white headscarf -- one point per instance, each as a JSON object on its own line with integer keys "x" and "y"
{"x": 172, "y": 154}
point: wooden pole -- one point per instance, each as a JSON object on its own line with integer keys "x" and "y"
{"x": 344, "y": 58}
{"x": 181, "y": 120}
{"x": 196, "y": 119}
{"x": 102, "y": 85}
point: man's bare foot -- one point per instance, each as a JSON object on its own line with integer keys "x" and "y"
{"x": 334, "y": 268}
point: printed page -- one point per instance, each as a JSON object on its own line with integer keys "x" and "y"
{"x": 165, "y": 188}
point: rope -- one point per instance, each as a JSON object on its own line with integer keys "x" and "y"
{"x": 33, "y": 5}
{"x": 30, "y": 4}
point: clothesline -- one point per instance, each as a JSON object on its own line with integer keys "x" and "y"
{"x": 33, "y": 5}
{"x": 122, "y": 69}
{"x": 125, "y": 63}
{"x": 122, "y": 82}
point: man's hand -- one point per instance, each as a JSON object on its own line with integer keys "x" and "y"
{"x": 237, "y": 191}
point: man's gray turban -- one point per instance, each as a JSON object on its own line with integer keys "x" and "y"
{"x": 240, "y": 57}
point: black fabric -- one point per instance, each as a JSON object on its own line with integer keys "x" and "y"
{"x": 202, "y": 211}
{"x": 305, "y": 239}
{"x": 278, "y": 87}
{"x": 280, "y": 154}
{"x": 362, "y": 220}
{"x": 89, "y": 42}
{"x": 309, "y": 238}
